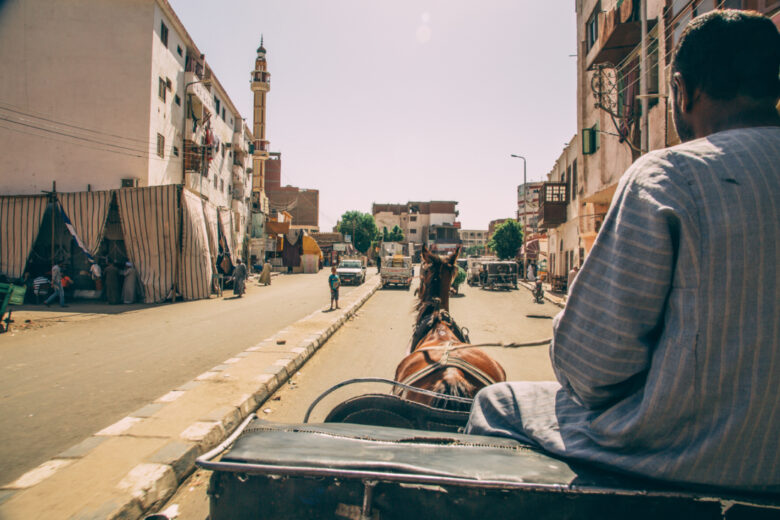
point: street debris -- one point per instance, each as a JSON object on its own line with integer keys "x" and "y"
{"x": 267, "y": 410}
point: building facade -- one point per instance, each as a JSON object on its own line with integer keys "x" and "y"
{"x": 579, "y": 187}
{"x": 528, "y": 205}
{"x": 421, "y": 222}
{"x": 120, "y": 96}
{"x": 473, "y": 238}
{"x": 302, "y": 204}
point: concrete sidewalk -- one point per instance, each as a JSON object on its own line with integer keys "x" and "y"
{"x": 31, "y": 317}
{"x": 129, "y": 467}
{"x": 555, "y": 298}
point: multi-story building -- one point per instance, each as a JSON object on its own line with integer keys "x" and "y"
{"x": 113, "y": 104}
{"x": 120, "y": 96}
{"x": 473, "y": 238}
{"x": 528, "y": 205}
{"x": 610, "y": 108}
{"x": 426, "y": 223}
{"x": 302, "y": 204}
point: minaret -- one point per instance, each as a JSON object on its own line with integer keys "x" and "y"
{"x": 261, "y": 85}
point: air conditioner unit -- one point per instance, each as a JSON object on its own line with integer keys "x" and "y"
{"x": 132, "y": 182}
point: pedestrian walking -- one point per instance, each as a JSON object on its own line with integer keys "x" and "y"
{"x": 571, "y": 278}
{"x": 530, "y": 273}
{"x": 378, "y": 263}
{"x": 265, "y": 274}
{"x": 239, "y": 279}
{"x": 130, "y": 283}
{"x": 334, "y": 282}
{"x": 56, "y": 286}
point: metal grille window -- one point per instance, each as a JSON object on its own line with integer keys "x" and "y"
{"x": 160, "y": 145}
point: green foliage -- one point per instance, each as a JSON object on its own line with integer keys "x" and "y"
{"x": 361, "y": 227}
{"x": 459, "y": 278}
{"x": 507, "y": 239}
{"x": 396, "y": 235}
{"x": 474, "y": 251}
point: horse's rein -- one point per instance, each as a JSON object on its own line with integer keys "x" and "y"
{"x": 450, "y": 348}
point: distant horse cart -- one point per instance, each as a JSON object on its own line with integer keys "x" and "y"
{"x": 402, "y": 455}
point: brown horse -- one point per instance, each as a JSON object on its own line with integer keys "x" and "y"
{"x": 439, "y": 357}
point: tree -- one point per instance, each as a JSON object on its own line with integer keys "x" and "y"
{"x": 474, "y": 251}
{"x": 396, "y": 235}
{"x": 507, "y": 239}
{"x": 361, "y": 227}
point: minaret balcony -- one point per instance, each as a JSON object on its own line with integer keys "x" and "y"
{"x": 261, "y": 81}
{"x": 261, "y": 147}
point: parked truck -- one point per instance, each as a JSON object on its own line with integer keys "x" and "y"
{"x": 397, "y": 266}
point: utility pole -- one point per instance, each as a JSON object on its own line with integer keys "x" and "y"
{"x": 525, "y": 216}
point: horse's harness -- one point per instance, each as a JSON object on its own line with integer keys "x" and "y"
{"x": 447, "y": 361}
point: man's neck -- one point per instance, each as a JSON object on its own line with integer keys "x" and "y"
{"x": 719, "y": 116}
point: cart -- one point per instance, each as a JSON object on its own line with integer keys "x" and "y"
{"x": 499, "y": 275}
{"x": 10, "y": 294}
{"x": 356, "y": 466}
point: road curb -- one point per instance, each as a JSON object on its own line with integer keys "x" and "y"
{"x": 162, "y": 439}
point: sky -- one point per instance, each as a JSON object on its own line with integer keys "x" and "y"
{"x": 389, "y": 101}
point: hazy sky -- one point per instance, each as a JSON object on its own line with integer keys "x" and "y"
{"x": 398, "y": 100}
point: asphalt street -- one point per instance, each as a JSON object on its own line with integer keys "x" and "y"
{"x": 66, "y": 381}
{"x": 372, "y": 344}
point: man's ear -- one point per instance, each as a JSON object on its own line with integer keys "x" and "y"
{"x": 680, "y": 92}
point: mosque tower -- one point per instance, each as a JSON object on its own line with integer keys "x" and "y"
{"x": 261, "y": 85}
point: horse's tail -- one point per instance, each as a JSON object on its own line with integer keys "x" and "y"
{"x": 453, "y": 383}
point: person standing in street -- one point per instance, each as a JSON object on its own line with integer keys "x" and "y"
{"x": 239, "y": 279}
{"x": 111, "y": 275}
{"x": 130, "y": 283}
{"x": 571, "y": 278}
{"x": 265, "y": 274}
{"x": 666, "y": 354}
{"x": 56, "y": 285}
{"x": 334, "y": 282}
{"x": 530, "y": 273}
{"x": 378, "y": 263}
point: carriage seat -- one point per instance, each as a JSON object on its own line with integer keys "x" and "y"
{"x": 393, "y": 411}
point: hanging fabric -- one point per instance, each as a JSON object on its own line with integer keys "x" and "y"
{"x": 85, "y": 215}
{"x": 150, "y": 223}
{"x": 20, "y": 221}
{"x": 195, "y": 267}
{"x": 212, "y": 225}
{"x": 226, "y": 226}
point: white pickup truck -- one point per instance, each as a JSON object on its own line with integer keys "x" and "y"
{"x": 398, "y": 270}
{"x": 351, "y": 271}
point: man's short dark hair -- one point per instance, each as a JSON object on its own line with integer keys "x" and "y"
{"x": 728, "y": 53}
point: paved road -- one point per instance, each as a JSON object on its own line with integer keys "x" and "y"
{"x": 62, "y": 383}
{"x": 373, "y": 343}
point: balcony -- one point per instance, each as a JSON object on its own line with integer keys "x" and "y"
{"x": 261, "y": 81}
{"x": 262, "y": 146}
{"x": 620, "y": 33}
{"x": 193, "y": 155}
{"x": 552, "y": 209}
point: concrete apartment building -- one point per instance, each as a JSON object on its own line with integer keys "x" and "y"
{"x": 430, "y": 223}
{"x": 528, "y": 205}
{"x": 114, "y": 96}
{"x": 105, "y": 99}
{"x": 473, "y": 237}
{"x": 580, "y": 185}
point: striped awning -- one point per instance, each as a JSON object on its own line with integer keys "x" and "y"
{"x": 86, "y": 212}
{"x": 149, "y": 223}
{"x": 20, "y": 221}
{"x": 196, "y": 266}
{"x": 212, "y": 228}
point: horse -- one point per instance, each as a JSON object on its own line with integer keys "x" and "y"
{"x": 439, "y": 357}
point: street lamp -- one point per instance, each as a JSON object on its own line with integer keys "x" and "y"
{"x": 525, "y": 212}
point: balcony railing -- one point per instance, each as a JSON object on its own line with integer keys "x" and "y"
{"x": 554, "y": 197}
{"x": 261, "y": 145}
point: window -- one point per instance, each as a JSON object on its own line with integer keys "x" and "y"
{"x": 222, "y": 185}
{"x": 216, "y": 103}
{"x": 574, "y": 179}
{"x": 413, "y": 218}
{"x": 216, "y": 181}
{"x": 412, "y": 231}
{"x": 177, "y": 99}
{"x": 592, "y": 28}
{"x": 175, "y": 152}
{"x": 223, "y": 114}
{"x": 179, "y": 51}
{"x": 161, "y": 88}
{"x": 160, "y": 145}
{"x": 164, "y": 33}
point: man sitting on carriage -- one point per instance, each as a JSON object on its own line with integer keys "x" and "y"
{"x": 667, "y": 351}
